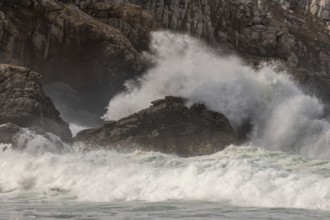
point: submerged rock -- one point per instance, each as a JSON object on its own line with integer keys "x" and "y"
{"x": 23, "y": 102}
{"x": 168, "y": 126}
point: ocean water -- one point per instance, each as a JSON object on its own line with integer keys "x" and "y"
{"x": 241, "y": 182}
{"x": 283, "y": 172}
{"x": 27, "y": 209}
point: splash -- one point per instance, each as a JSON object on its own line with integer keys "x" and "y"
{"x": 283, "y": 117}
{"x": 240, "y": 176}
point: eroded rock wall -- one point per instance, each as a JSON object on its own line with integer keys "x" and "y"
{"x": 23, "y": 102}
{"x": 66, "y": 45}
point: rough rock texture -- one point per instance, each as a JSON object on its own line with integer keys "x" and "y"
{"x": 293, "y": 31}
{"x": 92, "y": 46}
{"x": 66, "y": 45}
{"x": 23, "y": 102}
{"x": 168, "y": 126}
{"x": 134, "y": 22}
{"x": 321, "y": 8}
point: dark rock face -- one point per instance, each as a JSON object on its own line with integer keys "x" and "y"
{"x": 133, "y": 21}
{"x": 66, "y": 45}
{"x": 93, "y": 46}
{"x": 23, "y": 102}
{"x": 168, "y": 126}
{"x": 269, "y": 29}
{"x": 295, "y": 32}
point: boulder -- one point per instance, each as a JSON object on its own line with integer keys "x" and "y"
{"x": 93, "y": 46}
{"x": 168, "y": 126}
{"x": 23, "y": 102}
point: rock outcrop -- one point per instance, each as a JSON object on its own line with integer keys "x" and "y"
{"x": 66, "y": 45}
{"x": 295, "y": 32}
{"x": 23, "y": 102}
{"x": 97, "y": 42}
{"x": 168, "y": 126}
{"x": 90, "y": 47}
{"x": 133, "y": 21}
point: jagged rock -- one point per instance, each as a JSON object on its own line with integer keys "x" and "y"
{"x": 66, "y": 45}
{"x": 321, "y": 8}
{"x": 134, "y": 22}
{"x": 168, "y": 126}
{"x": 257, "y": 30}
{"x": 93, "y": 46}
{"x": 293, "y": 31}
{"x": 23, "y": 102}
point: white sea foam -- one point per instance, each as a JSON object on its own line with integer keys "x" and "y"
{"x": 242, "y": 176}
{"x": 75, "y": 128}
{"x": 283, "y": 117}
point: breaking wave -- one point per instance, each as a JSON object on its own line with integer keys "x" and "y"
{"x": 241, "y": 176}
{"x": 255, "y": 174}
{"x": 282, "y": 115}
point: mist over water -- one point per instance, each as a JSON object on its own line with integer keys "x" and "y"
{"x": 282, "y": 115}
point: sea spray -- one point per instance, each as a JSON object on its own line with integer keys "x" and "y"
{"x": 282, "y": 115}
{"x": 76, "y": 128}
{"x": 240, "y": 176}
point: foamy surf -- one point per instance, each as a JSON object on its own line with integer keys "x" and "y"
{"x": 240, "y": 176}
{"x": 266, "y": 173}
{"x": 283, "y": 117}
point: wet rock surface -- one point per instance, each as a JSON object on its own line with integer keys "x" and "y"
{"x": 168, "y": 126}
{"x": 64, "y": 44}
{"x": 93, "y": 46}
{"x": 291, "y": 31}
{"x": 23, "y": 102}
{"x": 86, "y": 49}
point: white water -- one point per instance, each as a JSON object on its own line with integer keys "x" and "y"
{"x": 283, "y": 117}
{"x": 75, "y": 128}
{"x": 255, "y": 175}
{"x": 241, "y": 176}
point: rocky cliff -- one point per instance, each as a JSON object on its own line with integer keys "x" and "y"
{"x": 291, "y": 31}
{"x": 279, "y": 29}
{"x": 23, "y": 102}
{"x": 93, "y": 46}
{"x": 86, "y": 49}
{"x": 66, "y": 45}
